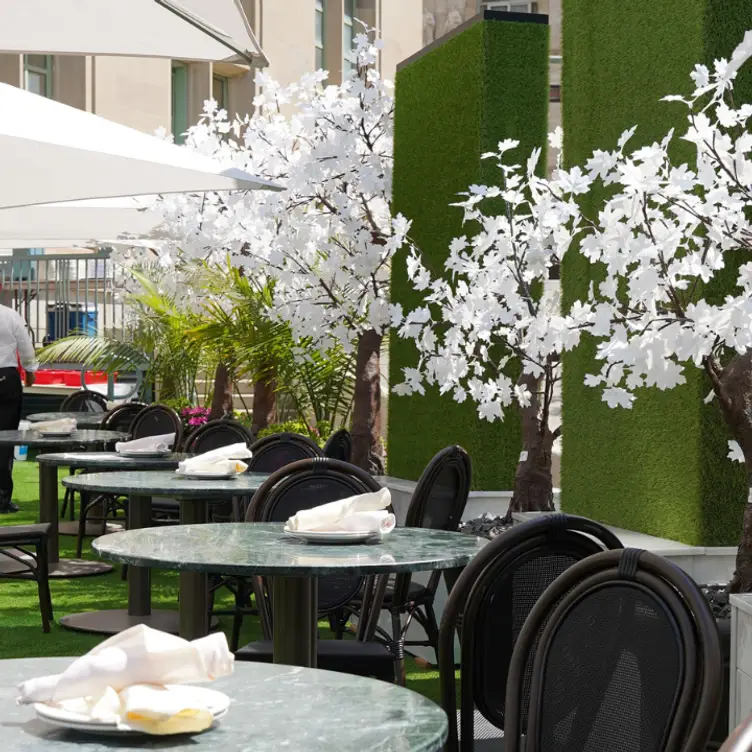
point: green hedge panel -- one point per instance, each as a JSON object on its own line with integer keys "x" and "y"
{"x": 453, "y": 103}
{"x": 661, "y": 467}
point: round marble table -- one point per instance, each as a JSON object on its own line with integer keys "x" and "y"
{"x": 264, "y": 549}
{"x": 273, "y": 708}
{"x": 141, "y": 486}
{"x": 83, "y": 419}
{"x": 48, "y": 500}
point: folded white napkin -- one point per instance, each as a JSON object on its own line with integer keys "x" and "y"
{"x": 223, "y": 467}
{"x": 63, "y": 425}
{"x": 216, "y": 459}
{"x": 162, "y": 443}
{"x": 363, "y": 513}
{"x": 146, "y": 707}
{"x": 139, "y": 655}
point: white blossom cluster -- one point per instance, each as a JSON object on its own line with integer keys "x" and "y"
{"x": 327, "y": 239}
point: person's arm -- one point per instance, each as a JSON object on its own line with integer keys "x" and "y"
{"x": 26, "y": 352}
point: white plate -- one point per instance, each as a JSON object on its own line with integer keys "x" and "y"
{"x": 143, "y": 453}
{"x": 216, "y": 702}
{"x": 331, "y": 537}
{"x": 207, "y": 475}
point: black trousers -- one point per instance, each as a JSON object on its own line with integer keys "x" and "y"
{"x": 11, "y": 399}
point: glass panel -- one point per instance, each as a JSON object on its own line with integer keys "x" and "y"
{"x": 319, "y": 58}
{"x": 319, "y": 27}
{"x": 36, "y": 83}
{"x": 179, "y": 102}
{"x": 520, "y": 8}
{"x": 350, "y": 8}
{"x": 36, "y": 61}
{"x": 219, "y": 91}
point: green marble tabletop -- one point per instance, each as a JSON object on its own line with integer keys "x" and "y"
{"x": 273, "y": 708}
{"x": 35, "y": 440}
{"x": 109, "y": 460}
{"x": 165, "y": 483}
{"x": 249, "y": 548}
{"x": 83, "y": 418}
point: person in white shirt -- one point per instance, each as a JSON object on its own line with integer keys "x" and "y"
{"x": 15, "y": 347}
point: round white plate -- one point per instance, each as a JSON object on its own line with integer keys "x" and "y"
{"x": 204, "y": 475}
{"x": 331, "y": 537}
{"x": 216, "y": 702}
{"x": 142, "y": 453}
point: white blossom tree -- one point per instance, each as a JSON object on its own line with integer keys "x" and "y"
{"x": 489, "y": 329}
{"x": 328, "y": 238}
{"x": 663, "y": 237}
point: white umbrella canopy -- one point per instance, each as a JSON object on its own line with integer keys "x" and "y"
{"x": 206, "y": 30}
{"x": 71, "y": 224}
{"x": 50, "y": 152}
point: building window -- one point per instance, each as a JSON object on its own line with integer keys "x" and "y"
{"x": 554, "y": 94}
{"x": 179, "y": 101}
{"x": 510, "y": 7}
{"x": 219, "y": 91}
{"x": 38, "y": 74}
{"x": 319, "y": 34}
{"x": 349, "y": 62}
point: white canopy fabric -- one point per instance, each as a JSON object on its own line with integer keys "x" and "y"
{"x": 71, "y": 224}
{"x": 209, "y": 30}
{"x": 50, "y": 152}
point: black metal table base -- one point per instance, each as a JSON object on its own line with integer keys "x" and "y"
{"x": 59, "y": 570}
{"x": 116, "y": 620}
{"x": 295, "y": 616}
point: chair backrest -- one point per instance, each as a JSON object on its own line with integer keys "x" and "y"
{"x": 505, "y": 580}
{"x": 437, "y": 503}
{"x": 626, "y": 657}
{"x": 339, "y": 445}
{"x": 156, "y": 420}
{"x": 741, "y": 739}
{"x": 84, "y": 401}
{"x": 216, "y": 434}
{"x": 280, "y": 449}
{"x": 121, "y": 418}
{"x": 310, "y": 483}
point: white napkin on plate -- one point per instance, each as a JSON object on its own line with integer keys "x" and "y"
{"x": 162, "y": 443}
{"x": 149, "y": 708}
{"x": 363, "y": 513}
{"x": 223, "y": 459}
{"x": 63, "y": 425}
{"x": 139, "y": 655}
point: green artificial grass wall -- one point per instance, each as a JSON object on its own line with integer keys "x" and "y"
{"x": 661, "y": 467}
{"x": 453, "y": 103}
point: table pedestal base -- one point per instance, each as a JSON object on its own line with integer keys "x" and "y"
{"x": 116, "y": 620}
{"x": 93, "y": 529}
{"x": 295, "y": 619}
{"x": 59, "y": 570}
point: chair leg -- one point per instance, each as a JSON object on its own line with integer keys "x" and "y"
{"x": 398, "y": 649}
{"x": 83, "y": 516}
{"x": 43, "y": 584}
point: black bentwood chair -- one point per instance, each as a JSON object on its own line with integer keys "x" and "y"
{"x": 84, "y": 401}
{"x": 625, "y": 657}
{"x": 280, "y": 449}
{"x": 488, "y": 606}
{"x": 437, "y": 503}
{"x": 297, "y": 486}
{"x": 339, "y": 445}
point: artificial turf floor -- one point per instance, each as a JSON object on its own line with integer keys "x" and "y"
{"x": 21, "y": 633}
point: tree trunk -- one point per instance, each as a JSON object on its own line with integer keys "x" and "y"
{"x": 222, "y": 396}
{"x": 533, "y": 484}
{"x": 367, "y": 450}
{"x": 733, "y": 387}
{"x": 264, "y": 400}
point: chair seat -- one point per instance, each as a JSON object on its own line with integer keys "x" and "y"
{"x": 486, "y": 736}
{"x": 416, "y": 593}
{"x": 345, "y": 656}
{"x": 164, "y": 504}
{"x": 23, "y": 532}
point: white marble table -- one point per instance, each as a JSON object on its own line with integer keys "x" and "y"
{"x": 273, "y": 708}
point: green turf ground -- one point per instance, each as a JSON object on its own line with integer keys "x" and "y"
{"x": 21, "y": 633}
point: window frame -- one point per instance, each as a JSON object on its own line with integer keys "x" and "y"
{"x": 224, "y": 82}
{"x": 496, "y": 5}
{"x": 47, "y": 71}
{"x": 179, "y": 101}
{"x": 319, "y": 43}
{"x": 349, "y": 61}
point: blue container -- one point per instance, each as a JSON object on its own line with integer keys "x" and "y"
{"x": 64, "y": 319}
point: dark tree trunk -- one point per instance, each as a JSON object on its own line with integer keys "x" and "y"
{"x": 366, "y": 422}
{"x": 222, "y": 396}
{"x": 264, "y": 401}
{"x": 533, "y": 484}
{"x": 733, "y": 387}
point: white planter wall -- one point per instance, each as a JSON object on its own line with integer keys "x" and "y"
{"x": 740, "y": 692}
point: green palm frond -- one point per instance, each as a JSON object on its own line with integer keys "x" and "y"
{"x": 100, "y": 353}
